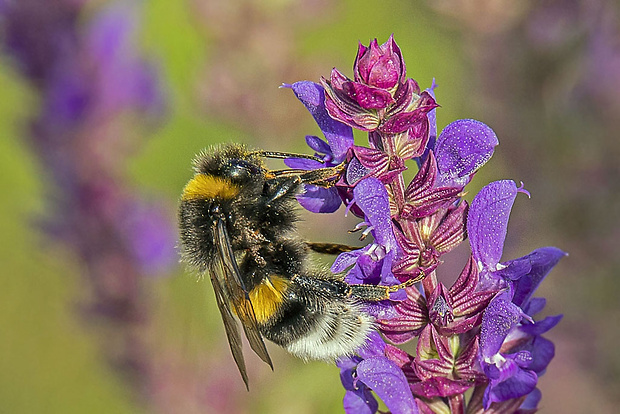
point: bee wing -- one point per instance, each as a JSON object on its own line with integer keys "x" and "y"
{"x": 232, "y": 331}
{"x": 229, "y": 287}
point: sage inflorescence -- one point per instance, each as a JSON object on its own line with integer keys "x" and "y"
{"x": 479, "y": 346}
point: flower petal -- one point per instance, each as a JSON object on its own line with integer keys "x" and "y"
{"x": 368, "y": 97}
{"x": 531, "y": 402}
{"x": 374, "y": 346}
{"x": 347, "y": 259}
{"x": 499, "y": 319}
{"x": 303, "y": 163}
{"x": 439, "y": 387}
{"x": 360, "y": 401}
{"x": 487, "y": 222}
{"x": 540, "y": 327}
{"x": 461, "y": 149}
{"x": 410, "y": 319}
{"x": 541, "y": 262}
{"x": 339, "y": 136}
{"x": 522, "y": 383}
{"x": 319, "y": 200}
{"x": 340, "y": 107}
{"x": 371, "y": 196}
{"x": 318, "y": 144}
{"x": 543, "y": 351}
{"x": 388, "y": 381}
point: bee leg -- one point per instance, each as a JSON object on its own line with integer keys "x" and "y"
{"x": 286, "y": 187}
{"x": 284, "y": 155}
{"x": 323, "y": 177}
{"x": 330, "y": 248}
{"x": 376, "y": 293}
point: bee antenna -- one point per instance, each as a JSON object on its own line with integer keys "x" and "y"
{"x": 283, "y": 155}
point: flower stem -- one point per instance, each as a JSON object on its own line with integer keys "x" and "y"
{"x": 398, "y": 185}
{"x": 457, "y": 404}
{"x": 429, "y": 283}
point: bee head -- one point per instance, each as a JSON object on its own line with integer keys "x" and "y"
{"x": 221, "y": 172}
{"x": 240, "y": 171}
{"x": 230, "y": 162}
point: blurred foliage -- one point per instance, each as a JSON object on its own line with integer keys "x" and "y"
{"x": 222, "y": 84}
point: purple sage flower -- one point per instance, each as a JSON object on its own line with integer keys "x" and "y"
{"x": 373, "y": 370}
{"x": 478, "y": 337}
{"x": 373, "y": 263}
{"x": 339, "y": 139}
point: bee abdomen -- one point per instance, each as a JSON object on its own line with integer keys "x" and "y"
{"x": 338, "y": 331}
{"x": 318, "y": 321}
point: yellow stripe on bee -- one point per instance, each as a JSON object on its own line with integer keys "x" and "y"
{"x": 204, "y": 186}
{"x": 267, "y": 297}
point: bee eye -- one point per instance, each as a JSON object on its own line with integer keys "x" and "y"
{"x": 241, "y": 170}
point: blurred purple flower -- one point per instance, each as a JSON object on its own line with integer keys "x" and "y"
{"x": 123, "y": 79}
{"x": 90, "y": 75}
{"x": 151, "y": 243}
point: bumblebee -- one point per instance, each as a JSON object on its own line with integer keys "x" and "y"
{"x": 237, "y": 224}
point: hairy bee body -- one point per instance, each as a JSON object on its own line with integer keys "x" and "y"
{"x": 237, "y": 224}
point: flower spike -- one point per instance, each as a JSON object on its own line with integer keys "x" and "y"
{"x": 481, "y": 333}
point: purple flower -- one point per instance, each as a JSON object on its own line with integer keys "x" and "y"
{"x": 537, "y": 265}
{"x": 513, "y": 354}
{"x": 373, "y": 263}
{"x": 86, "y": 68}
{"x": 333, "y": 152}
{"x": 452, "y": 311}
{"x": 487, "y": 224}
{"x": 339, "y": 136}
{"x": 479, "y": 333}
{"x": 511, "y": 375}
{"x": 123, "y": 79}
{"x": 461, "y": 149}
{"x": 380, "y": 97}
{"x": 372, "y": 370}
